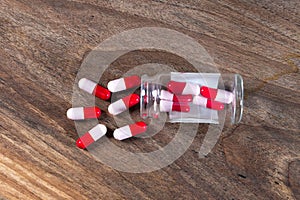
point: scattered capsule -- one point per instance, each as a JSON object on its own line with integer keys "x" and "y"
{"x": 130, "y": 130}
{"x": 217, "y": 94}
{"x": 165, "y": 95}
{"x": 168, "y": 106}
{"x": 94, "y": 88}
{"x": 123, "y": 104}
{"x": 81, "y": 113}
{"x": 208, "y": 103}
{"x": 183, "y": 88}
{"x": 124, "y": 83}
{"x": 91, "y": 136}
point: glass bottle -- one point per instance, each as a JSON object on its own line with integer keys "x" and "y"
{"x": 192, "y": 97}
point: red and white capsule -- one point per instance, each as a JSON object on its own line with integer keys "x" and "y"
{"x": 165, "y": 95}
{"x": 81, "y": 113}
{"x": 168, "y": 106}
{"x": 123, "y": 83}
{"x": 208, "y": 103}
{"x": 91, "y": 136}
{"x": 183, "y": 88}
{"x": 217, "y": 94}
{"x": 94, "y": 88}
{"x": 123, "y": 104}
{"x": 130, "y": 130}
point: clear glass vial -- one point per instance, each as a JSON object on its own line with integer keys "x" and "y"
{"x": 153, "y": 89}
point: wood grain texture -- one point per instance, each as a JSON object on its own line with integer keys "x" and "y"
{"x": 42, "y": 46}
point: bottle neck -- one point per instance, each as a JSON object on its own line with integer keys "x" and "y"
{"x": 149, "y": 104}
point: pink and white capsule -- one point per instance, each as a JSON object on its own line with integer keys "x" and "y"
{"x": 81, "y": 113}
{"x": 183, "y": 88}
{"x": 208, "y": 103}
{"x": 130, "y": 130}
{"x": 91, "y": 136}
{"x": 165, "y": 95}
{"x": 94, "y": 88}
{"x": 168, "y": 106}
{"x": 217, "y": 94}
{"x": 123, "y": 83}
{"x": 123, "y": 104}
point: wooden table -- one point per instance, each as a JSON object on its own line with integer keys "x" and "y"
{"x": 42, "y": 46}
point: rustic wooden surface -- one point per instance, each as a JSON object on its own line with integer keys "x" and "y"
{"x": 42, "y": 46}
